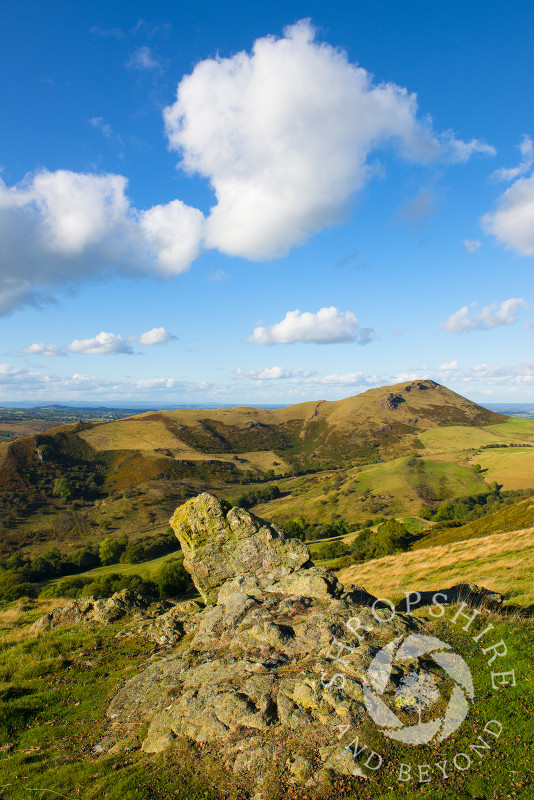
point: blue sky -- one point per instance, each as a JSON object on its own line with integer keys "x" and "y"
{"x": 270, "y": 203}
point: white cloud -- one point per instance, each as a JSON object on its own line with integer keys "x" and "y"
{"x": 462, "y": 151}
{"x": 61, "y": 227}
{"x": 505, "y": 313}
{"x": 451, "y": 366}
{"x": 174, "y": 232}
{"x": 142, "y": 59}
{"x": 272, "y": 374}
{"x": 155, "y": 336}
{"x": 512, "y": 222}
{"x": 42, "y": 349}
{"x": 327, "y": 326}
{"x": 526, "y": 148}
{"x": 348, "y": 379}
{"x": 101, "y": 344}
{"x": 472, "y": 245}
{"x": 284, "y": 136}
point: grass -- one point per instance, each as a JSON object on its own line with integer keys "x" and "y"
{"x": 55, "y": 690}
{"x": 393, "y": 489}
{"x": 502, "y": 562}
{"x": 511, "y": 467}
{"x": 455, "y": 438}
{"x": 502, "y": 772}
{"x": 416, "y": 525}
{"x": 144, "y": 569}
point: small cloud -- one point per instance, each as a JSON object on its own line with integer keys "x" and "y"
{"x": 526, "y": 148}
{"x": 348, "y": 379}
{"x": 104, "y": 127}
{"x": 107, "y": 33}
{"x": 102, "y": 344}
{"x": 142, "y": 59}
{"x": 472, "y": 245}
{"x": 163, "y": 29}
{"x": 460, "y": 151}
{"x": 449, "y": 367}
{"x": 327, "y": 326}
{"x": 505, "y": 313}
{"x": 42, "y": 349}
{"x": 272, "y": 374}
{"x": 219, "y": 275}
{"x": 155, "y": 336}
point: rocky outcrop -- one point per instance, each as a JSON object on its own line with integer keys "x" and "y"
{"x": 253, "y": 673}
{"x": 88, "y": 609}
{"x": 273, "y": 666}
{"x": 469, "y": 593}
{"x": 221, "y": 543}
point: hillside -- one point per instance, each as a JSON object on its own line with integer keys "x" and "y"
{"x": 82, "y": 481}
{"x": 502, "y": 562}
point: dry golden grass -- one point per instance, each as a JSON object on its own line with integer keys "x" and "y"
{"x": 503, "y": 562}
{"x": 133, "y": 434}
{"x": 457, "y": 438}
{"x": 511, "y": 467}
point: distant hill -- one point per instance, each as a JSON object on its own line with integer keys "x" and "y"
{"x": 164, "y": 456}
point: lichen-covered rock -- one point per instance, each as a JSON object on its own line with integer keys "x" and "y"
{"x": 220, "y": 543}
{"x": 268, "y": 671}
{"x": 88, "y": 609}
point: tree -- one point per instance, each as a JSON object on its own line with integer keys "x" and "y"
{"x": 109, "y": 551}
{"x": 391, "y": 537}
{"x": 172, "y": 579}
{"x": 62, "y": 488}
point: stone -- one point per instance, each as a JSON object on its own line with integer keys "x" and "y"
{"x": 256, "y": 673}
{"x": 220, "y": 543}
{"x": 88, "y": 609}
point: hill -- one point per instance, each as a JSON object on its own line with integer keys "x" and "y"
{"x": 85, "y": 480}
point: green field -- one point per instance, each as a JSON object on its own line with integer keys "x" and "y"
{"x": 144, "y": 569}
{"x": 395, "y": 488}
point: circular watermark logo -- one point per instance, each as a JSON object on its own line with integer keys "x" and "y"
{"x": 418, "y": 691}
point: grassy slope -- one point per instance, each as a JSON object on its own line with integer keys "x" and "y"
{"x": 503, "y": 562}
{"x": 391, "y": 489}
{"x": 145, "y": 569}
{"x": 509, "y": 518}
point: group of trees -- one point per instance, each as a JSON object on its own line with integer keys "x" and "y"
{"x": 168, "y": 580}
{"x": 255, "y": 496}
{"x": 390, "y": 537}
{"x": 460, "y": 510}
{"x": 310, "y": 531}
{"x": 20, "y": 574}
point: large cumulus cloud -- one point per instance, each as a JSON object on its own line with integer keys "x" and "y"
{"x": 284, "y": 134}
